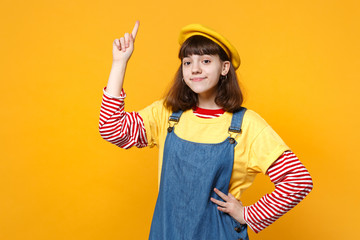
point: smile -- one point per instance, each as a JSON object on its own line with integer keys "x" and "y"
{"x": 197, "y": 79}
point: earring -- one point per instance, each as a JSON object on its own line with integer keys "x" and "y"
{"x": 222, "y": 77}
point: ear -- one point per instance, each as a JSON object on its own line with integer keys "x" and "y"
{"x": 225, "y": 68}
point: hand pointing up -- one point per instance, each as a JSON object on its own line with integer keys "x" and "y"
{"x": 124, "y": 47}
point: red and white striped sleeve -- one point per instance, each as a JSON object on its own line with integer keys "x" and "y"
{"x": 124, "y": 129}
{"x": 292, "y": 183}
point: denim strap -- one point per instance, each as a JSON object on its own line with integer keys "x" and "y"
{"x": 175, "y": 116}
{"x": 237, "y": 120}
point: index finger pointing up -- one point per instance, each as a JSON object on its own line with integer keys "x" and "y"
{"x": 134, "y": 31}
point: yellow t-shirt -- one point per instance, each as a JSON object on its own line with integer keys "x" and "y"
{"x": 258, "y": 146}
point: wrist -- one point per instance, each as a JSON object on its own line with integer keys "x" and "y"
{"x": 118, "y": 64}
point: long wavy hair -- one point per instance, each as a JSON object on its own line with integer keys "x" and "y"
{"x": 180, "y": 96}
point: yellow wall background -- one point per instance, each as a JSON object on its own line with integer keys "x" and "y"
{"x": 60, "y": 180}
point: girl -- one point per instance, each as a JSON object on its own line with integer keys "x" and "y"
{"x": 210, "y": 147}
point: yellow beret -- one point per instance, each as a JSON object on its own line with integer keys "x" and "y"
{"x": 198, "y": 29}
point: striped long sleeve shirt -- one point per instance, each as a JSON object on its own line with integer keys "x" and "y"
{"x": 292, "y": 180}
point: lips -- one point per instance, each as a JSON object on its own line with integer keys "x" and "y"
{"x": 197, "y": 79}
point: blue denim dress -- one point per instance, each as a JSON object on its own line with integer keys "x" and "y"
{"x": 190, "y": 172}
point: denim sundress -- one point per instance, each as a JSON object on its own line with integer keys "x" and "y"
{"x": 190, "y": 172}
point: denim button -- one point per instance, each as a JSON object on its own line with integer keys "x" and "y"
{"x": 237, "y": 229}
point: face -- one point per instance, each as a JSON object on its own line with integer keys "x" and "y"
{"x": 202, "y": 72}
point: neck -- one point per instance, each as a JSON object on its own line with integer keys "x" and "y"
{"x": 207, "y": 101}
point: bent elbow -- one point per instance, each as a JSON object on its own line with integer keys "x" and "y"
{"x": 309, "y": 185}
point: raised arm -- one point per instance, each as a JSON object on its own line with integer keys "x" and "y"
{"x": 124, "y": 129}
{"x": 122, "y": 51}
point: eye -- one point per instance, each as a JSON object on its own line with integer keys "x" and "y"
{"x": 206, "y": 61}
{"x": 186, "y": 63}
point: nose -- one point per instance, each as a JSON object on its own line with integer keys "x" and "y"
{"x": 195, "y": 68}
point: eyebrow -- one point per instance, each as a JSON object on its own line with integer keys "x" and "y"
{"x": 210, "y": 55}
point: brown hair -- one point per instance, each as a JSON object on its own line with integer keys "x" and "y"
{"x": 180, "y": 96}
